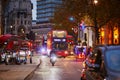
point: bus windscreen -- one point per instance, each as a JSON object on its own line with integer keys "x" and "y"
{"x": 59, "y": 34}
{"x": 60, "y": 46}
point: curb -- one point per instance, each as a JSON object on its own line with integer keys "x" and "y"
{"x": 28, "y": 77}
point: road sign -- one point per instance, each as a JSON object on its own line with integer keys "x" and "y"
{"x": 75, "y": 30}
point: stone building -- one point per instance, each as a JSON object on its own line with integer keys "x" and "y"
{"x": 2, "y": 5}
{"x": 18, "y": 17}
{"x": 110, "y": 34}
{"x": 45, "y": 12}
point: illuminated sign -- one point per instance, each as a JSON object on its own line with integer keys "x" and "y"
{"x": 59, "y": 40}
{"x": 59, "y": 34}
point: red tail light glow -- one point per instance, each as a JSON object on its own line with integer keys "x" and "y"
{"x": 92, "y": 61}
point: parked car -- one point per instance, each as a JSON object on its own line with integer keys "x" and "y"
{"x": 8, "y": 46}
{"x": 2, "y": 55}
{"x": 25, "y": 52}
{"x": 102, "y": 64}
{"x": 79, "y": 52}
{"x": 10, "y": 51}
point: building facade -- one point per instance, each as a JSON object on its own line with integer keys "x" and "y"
{"x": 2, "y": 5}
{"x": 18, "y": 17}
{"x": 110, "y": 34}
{"x": 39, "y": 31}
{"x": 45, "y": 11}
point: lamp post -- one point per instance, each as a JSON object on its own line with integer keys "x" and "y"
{"x": 11, "y": 29}
{"x": 95, "y": 22}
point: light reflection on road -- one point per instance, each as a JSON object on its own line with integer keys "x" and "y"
{"x": 64, "y": 69}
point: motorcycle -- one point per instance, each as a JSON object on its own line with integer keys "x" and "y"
{"x": 53, "y": 58}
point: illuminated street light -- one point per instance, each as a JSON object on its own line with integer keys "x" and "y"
{"x": 22, "y": 30}
{"x": 11, "y": 29}
{"x": 95, "y": 22}
{"x": 95, "y": 2}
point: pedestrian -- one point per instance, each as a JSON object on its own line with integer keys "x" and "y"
{"x": 89, "y": 50}
{"x": 74, "y": 49}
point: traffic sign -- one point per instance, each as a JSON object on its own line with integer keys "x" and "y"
{"x": 75, "y": 30}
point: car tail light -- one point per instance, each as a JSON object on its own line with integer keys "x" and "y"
{"x": 81, "y": 55}
{"x": 92, "y": 61}
{"x": 83, "y": 75}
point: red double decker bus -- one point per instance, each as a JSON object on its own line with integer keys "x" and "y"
{"x": 70, "y": 41}
{"x": 57, "y": 42}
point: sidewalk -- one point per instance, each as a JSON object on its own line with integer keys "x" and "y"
{"x": 19, "y": 72}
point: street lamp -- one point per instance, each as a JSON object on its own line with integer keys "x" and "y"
{"x": 95, "y": 22}
{"x": 11, "y": 27}
{"x": 95, "y": 1}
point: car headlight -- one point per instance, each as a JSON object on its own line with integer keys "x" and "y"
{"x": 42, "y": 49}
{"x": 72, "y": 52}
{"x": 22, "y": 52}
{"x": 29, "y": 52}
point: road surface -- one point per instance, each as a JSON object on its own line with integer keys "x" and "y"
{"x": 64, "y": 69}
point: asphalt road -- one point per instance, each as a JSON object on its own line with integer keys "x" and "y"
{"x": 64, "y": 69}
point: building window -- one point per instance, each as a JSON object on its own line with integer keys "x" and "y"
{"x": 25, "y": 22}
{"x": 18, "y": 22}
{"x": 18, "y": 15}
{"x": 13, "y": 21}
{"x": 25, "y": 15}
{"x": 21, "y": 22}
{"x": 28, "y": 22}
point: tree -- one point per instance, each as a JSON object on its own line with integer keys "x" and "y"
{"x": 106, "y": 10}
{"x": 68, "y": 9}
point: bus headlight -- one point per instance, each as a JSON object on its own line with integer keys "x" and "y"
{"x": 66, "y": 52}
{"x": 29, "y": 52}
{"x": 42, "y": 49}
